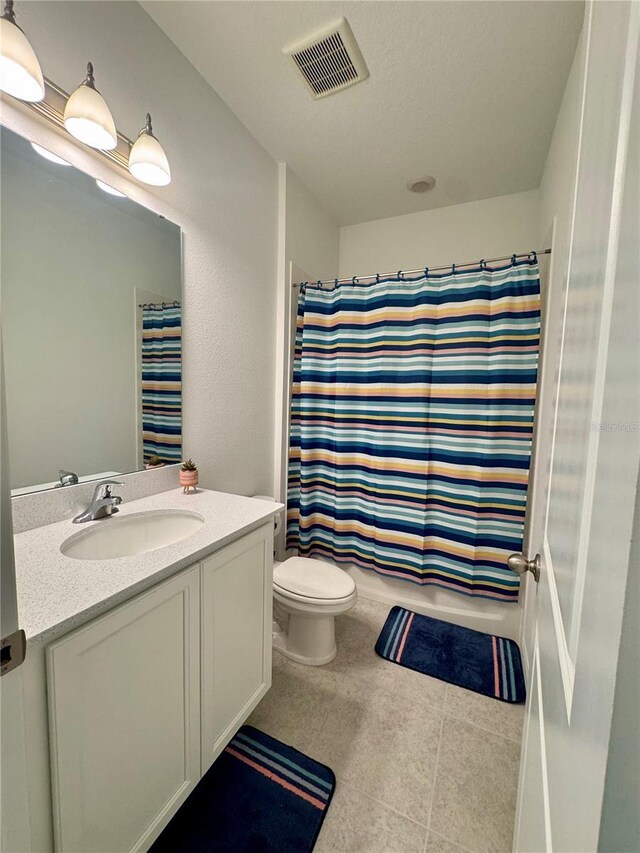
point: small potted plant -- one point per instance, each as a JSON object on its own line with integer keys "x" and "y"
{"x": 188, "y": 476}
{"x": 153, "y": 461}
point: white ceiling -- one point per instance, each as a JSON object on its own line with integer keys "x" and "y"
{"x": 463, "y": 90}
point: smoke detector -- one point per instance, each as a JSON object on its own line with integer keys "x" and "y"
{"x": 328, "y": 60}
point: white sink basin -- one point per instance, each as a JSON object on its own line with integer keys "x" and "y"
{"x": 132, "y": 534}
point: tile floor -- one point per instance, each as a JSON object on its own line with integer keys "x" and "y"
{"x": 421, "y": 765}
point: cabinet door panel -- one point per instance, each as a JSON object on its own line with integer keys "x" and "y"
{"x": 236, "y": 636}
{"x": 124, "y": 719}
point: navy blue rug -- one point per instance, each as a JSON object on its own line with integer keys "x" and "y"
{"x": 471, "y": 659}
{"x": 259, "y": 795}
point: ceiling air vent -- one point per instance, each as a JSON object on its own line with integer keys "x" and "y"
{"x": 329, "y": 60}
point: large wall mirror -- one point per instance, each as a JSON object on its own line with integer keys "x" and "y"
{"x": 91, "y": 322}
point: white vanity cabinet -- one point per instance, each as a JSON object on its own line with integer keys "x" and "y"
{"x": 143, "y": 698}
{"x": 124, "y": 710}
{"x": 237, "y": 585}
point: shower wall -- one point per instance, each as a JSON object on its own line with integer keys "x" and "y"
{"x": 461, "y": 232}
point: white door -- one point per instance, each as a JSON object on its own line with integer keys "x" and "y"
{"x": 586, "y": 459}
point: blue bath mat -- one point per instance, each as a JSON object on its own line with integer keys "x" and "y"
{"x": 471, "y": 659}
{"x": 259, "y": 796}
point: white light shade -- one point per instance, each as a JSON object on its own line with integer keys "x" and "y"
{"x": 148, "y": 162}
{"x": 49, "y": 155}
{"x": 20, "y": 73}
{"x": 88, "y": 118}
{"x": 109, "y": 189}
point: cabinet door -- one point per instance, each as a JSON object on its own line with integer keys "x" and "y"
{"x": 124, "y": 719}
{"x": 237, "y": 588}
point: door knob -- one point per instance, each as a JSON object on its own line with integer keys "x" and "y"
{"x": 518, "y": 563}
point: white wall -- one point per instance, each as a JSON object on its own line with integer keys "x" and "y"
{"x": 312, "y": 237}
{"x": 557, "y": 187}
{"x": 308, "y": 241}
{"x": 224, "y": 196}
{"x": 463, "y": 232}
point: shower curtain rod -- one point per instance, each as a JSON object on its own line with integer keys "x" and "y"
{"x": 158, "y": 305}
{"x": 400, "y": 273}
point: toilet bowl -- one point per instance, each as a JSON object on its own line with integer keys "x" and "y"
{"x": 312, "y": 593}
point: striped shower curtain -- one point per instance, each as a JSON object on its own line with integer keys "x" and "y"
{"x": 162, "y": 381}
{"x": 411, "y": 425}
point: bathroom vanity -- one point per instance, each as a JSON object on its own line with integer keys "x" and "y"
{"x": 139, "y": 668}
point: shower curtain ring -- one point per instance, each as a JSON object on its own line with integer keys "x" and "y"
{"x": 335, "y": 282}
{"x": 400, "y": 275}
{"x": 377, "y": 278}
{"x": 483, "y": 264}
{"x": 533, "y": 257}
{"x": 513, "y": 260}
{"x": 426, "y": 272}
{"x": 354, "y": 280}
{"x": 453, "y": 269}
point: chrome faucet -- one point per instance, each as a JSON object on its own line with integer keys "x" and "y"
{"x": 67, "y": 478}
{"x": 103, "y": 503}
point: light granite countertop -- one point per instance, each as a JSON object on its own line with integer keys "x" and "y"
{"x": 58, "y": 593}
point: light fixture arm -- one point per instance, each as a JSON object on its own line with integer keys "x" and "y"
{"x": 9, "y": 14}
{"x": 90, "y": 80}
{"x": 147, "y": 160}
{"x": 147, "y": 129}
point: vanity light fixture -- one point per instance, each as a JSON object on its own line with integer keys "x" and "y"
{"x": 111, "y": 190}
{"x": 49, "y": 155}
{"x": 20, "y": 72}
{"x": 87, "y": 116}
{"x": 147, "y": 160}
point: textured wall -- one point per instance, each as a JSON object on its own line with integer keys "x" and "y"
{"x": 462, "y": 232}
{"x": 308, "y": 244}
{"x": 312, "y": 236}
{"x": 223, "y": 194}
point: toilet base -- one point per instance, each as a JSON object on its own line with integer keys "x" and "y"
{"x": 310, "y": 640}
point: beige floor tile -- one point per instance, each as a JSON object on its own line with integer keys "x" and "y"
{"x": 502, "y": 718}
{"x": 295, "y": 707}
{"x": 356, "y": 636}
{"x": 438, "y": 844}
{"x": 383, "y": 744}
{"x": 377, "y": 725}
{"x": 474, "y": 798}
{"x": 357, "y": 823}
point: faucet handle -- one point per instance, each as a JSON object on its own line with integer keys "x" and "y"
{"x": 103, "y": 489}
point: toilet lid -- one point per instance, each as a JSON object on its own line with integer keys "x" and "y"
{"x": 313, "y": 578}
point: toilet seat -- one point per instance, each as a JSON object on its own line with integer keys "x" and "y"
{"x": 307, "y": 599}
{"x": 312, "y": 581}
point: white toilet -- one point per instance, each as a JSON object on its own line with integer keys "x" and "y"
{"x": 311, "y": 593}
